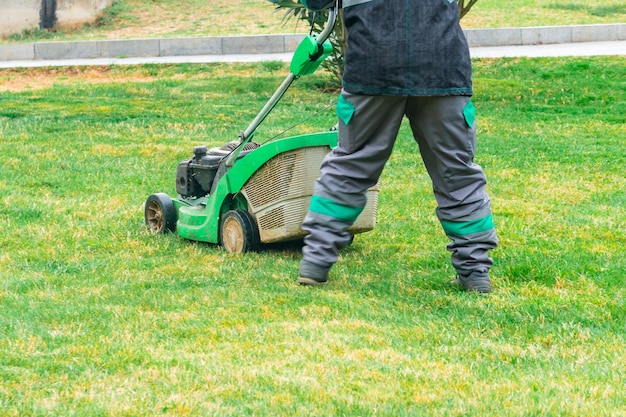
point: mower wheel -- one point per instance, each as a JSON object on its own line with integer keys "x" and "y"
{"x": 160, "y": 214}
{"x": 239, "y": 232}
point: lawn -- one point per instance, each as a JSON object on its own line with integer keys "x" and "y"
{"x": 170, "y": 18}
{"x": 101, "y": 318}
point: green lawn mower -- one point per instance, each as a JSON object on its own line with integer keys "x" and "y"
{"x": 243, "y": 194}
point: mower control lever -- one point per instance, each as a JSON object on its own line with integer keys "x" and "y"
{"x": 307, "y": 58}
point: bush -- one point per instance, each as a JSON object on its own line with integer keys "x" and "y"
{"x": 316, "y": 21}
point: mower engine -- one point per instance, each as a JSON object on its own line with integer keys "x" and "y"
{"x": 195, "y": 176}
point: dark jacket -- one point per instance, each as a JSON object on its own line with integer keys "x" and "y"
{"x": 404, "y": 47}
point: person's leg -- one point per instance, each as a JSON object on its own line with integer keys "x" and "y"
{"x": 368, "y": 126}
{"x": 445, "y": 131}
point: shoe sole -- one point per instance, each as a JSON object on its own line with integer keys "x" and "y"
{"x": 310, "y": 282}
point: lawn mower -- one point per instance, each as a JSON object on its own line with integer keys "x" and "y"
{"x": 244, "y": 194}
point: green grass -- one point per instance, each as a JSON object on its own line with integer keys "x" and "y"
{"x": 170, "y": 18}
{"x": 100, "y": 318}
{"x": 494, "y": 13}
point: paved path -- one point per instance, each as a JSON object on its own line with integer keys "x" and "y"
{"x": 576, "y": 40}
{"x": 552, "y": 50}
{"x": 561, "y": 49}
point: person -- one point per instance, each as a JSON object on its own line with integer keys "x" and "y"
{"x": 403, "y": 58}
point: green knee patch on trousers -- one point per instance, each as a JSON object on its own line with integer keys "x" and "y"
{"x": 468, "y": 228}
{"x": 333, "y": 209}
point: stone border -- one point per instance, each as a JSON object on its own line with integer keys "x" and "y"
{"x": 267, "y": 44}
{"x": 542, "y": 35}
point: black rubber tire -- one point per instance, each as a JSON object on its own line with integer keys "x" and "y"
{"x": 239, "y": 232}
{"x": 159, "y": 214}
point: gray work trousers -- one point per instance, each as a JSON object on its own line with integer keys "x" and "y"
{"x": 445, "y": 131}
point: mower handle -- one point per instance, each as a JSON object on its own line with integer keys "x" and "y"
{"x": 309, "y": 54}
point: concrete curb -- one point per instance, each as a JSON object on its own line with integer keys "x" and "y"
{"x": 542, "y": 35}
{"x": 268, "y": 44}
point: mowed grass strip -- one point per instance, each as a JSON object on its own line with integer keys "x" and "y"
{"x": 100, "y": 317}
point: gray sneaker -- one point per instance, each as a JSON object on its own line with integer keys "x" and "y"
{"x": 312, "y": 274}
{"x": 474, "y": 281}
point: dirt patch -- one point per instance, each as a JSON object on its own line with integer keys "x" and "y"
{"x": 20, "y": 79}
{"x": 31, "y": 79}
